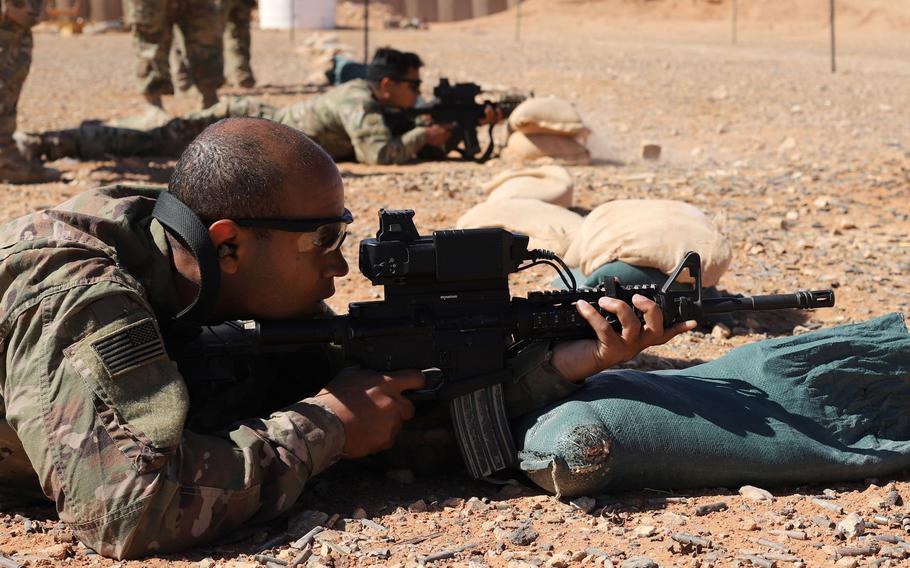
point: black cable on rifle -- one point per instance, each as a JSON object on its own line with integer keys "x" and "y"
{"x": 542, "y": 256}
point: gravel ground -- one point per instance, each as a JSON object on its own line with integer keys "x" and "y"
{"x": 809, "y": 171}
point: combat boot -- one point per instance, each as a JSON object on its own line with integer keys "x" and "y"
{"x": 46, "y": 146}
{"x": 154, "y": 99}
{"x": 15, "y": 169}
{"x": 245, "y": 79}
{"x": 209, "y": 97}
{"x": 182, "y": 78}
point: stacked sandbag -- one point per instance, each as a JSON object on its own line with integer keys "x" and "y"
{"x": 551, "y": 184}
{"x": 652, "y": 233}
{"x": 546, "y": 130}
{"x": 549, "y": 226}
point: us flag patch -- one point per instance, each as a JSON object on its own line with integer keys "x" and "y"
{"x": 130, "y": 347}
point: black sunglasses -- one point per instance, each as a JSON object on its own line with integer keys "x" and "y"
{"x": 414, "y": 83}
{"x": 295, "y": 225}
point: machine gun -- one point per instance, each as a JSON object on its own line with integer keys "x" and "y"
{"x": 448, "y": 307}
{"x": 457, "y": 104}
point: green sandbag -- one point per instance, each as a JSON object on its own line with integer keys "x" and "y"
{"x": 627, "y": 274}
{"x": 824, "y": 406}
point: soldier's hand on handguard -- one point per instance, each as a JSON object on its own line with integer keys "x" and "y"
{"x": 439, "y": 134}
{"x": 370, "y": 406}
{"x": 577, "y": 360}
{"x": 491, "y": 115}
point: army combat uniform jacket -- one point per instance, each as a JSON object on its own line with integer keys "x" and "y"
{"x": 100, "y": 410}
{"x": 346, "y": 121}
{"x": 99, "y": 407}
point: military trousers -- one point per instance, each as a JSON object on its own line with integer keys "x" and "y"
{"x": 153, "y": 21}
{"x": 236, "y": 18}
{"x": 15, "y": 60}
{"x": 93, "y": 140}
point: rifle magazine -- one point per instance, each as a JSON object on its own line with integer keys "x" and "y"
{"x": 482, "y": 427}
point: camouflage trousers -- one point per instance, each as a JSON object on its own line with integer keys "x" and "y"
{"x": 236, "y": 16}
{"x": 93, "y": 140}
{"x": 153, "y": 22}
{"x": 15, "y": 60}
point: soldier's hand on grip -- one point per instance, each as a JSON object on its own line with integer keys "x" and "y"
{"x": 439, "y": 134}
{"x": 491, "y": 115}
{"x": 371, "y": 407}
{"x": 577, "y": 360}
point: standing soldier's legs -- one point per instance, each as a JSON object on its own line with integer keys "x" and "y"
{"x": 179, "y": 62}
{"x": 200, "y": 22}
{"x": 238, "y": 15}
{"x": 15, "y": 60}
{"x": 151, "y": 22}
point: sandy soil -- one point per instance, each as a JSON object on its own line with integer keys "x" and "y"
{"x": 809, "y": 169}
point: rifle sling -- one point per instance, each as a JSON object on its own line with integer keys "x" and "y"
{"x": 183, "y": 224}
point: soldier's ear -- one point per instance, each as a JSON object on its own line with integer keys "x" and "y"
{"x": 227, "y": 238}
{"x": 384, "y": 89}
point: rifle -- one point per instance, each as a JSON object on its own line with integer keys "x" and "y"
{"x": 448, "y": 307}
{"x": 457, "y": 104}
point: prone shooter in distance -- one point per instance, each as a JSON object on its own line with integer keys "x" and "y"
{"x": 457, "y": 105}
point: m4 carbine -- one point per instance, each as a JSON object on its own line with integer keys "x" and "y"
{"x": 447, "y": 307}
{"x": 457, "y": 104}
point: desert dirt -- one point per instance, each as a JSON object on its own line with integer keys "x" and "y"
{"x": 809, "y": 170}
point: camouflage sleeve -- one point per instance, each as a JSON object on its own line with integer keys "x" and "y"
{"x": 538, "y": 383}
{"x": 373, "y": 141}
{"x": 100, "y": 409}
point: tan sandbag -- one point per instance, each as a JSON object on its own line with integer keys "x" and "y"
{"x": 653, "y": 233}
{"x": 552, "y": 184}
{"x": 547, "y": 116}
{"x": 543, "y": 147}
{"x": 552, "y": 172}
{"x": 549, "y": 226}
{"x": 541, "y": 189}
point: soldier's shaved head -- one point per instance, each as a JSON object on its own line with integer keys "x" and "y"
{"x": 241, "y": 167}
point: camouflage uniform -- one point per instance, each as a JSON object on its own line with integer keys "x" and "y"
{"x": 153, "y": 21}
{"x": 346, "y": 121}
{"x": 16, "y": 20}
{"x": 119, "y": 437}
{"x": 15, "y": 60}
{"x": 236, "y": 17}
{"x": 100, "y": 408}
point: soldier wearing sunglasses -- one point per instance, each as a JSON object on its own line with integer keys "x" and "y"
{"x": 98, "y": 294}
{"x": 348, "y": 122}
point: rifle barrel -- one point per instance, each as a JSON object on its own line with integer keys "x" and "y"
{"x": 804, "y": 299}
